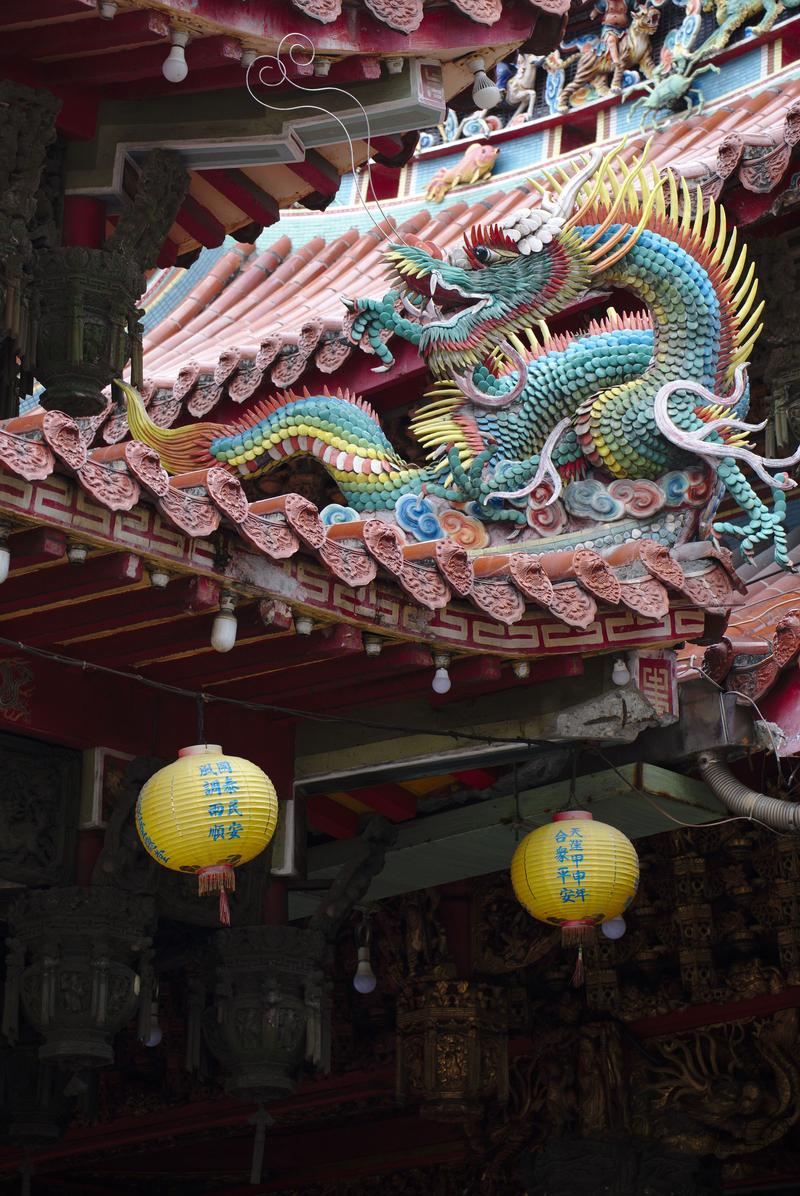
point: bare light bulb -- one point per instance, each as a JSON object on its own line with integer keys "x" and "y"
{"x": 485, "y": 94}
{"x": 614, "y": 928}
{"x": 77, "y": 554}
{"x": 175, "y": 68}
{"x": 441, "y": 678}
{"x": 620, "y": 674}
{"x": 107, "y": 10}
{"x": 441, "y": 683}
{"x": 303, "y": 625}
{"x": 223, "y": 630}
{"x": 5, "y": 563}
{"x": 365, "y": 980}
{"x": 521, "y": 669}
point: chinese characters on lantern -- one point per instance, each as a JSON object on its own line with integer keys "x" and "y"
{"x": 219, "y": 780}
{"x": 569, "y": 856}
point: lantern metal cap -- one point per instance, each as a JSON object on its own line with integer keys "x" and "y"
{"x": 200, "y": 749}
{"x": 572, "y": 816}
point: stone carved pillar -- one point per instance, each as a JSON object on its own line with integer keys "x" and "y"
{"x": 624, "y": 1167}
{"x": 89, "y": 320}
{"x": 75, "y": 958}
{"x": 270, "y": 1012}
{"x": 452, "y": 1048}
{"x": 28, "y": 127}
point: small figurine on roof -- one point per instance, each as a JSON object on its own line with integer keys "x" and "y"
{"x": 616, "y": 16}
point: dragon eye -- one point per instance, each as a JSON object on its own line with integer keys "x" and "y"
{"x": 484, "y": 255}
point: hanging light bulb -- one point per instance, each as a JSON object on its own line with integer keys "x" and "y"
{"x": 223, "y": 630}
{"x": 365, "y": 980}
{"x": 441, "y": 683}
{"x": 303, "y": 625}
{"x": 107, "y": 10}
{"x": 521, "y": 669}
{"x": 77, "y": 554}
{"x": 485, "y": 94}
{"x": 175, "y": 68}
{"x": 620, "y": 674}
{"x": 614, "y": 928}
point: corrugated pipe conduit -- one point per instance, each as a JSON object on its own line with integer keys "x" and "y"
{"x": 747, "y": 803}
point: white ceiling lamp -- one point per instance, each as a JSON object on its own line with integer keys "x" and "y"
{"x": 107, "y": 10}
{"x": 441, "y": 678}
{"x": 175, "y": 68}
{"x": 485, "y": 94}
{"x": 223, "y": 629}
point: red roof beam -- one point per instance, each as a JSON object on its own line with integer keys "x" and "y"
{"x": 393, "y": 801}
{"x": 134, "y": 65}
{"x": 20, "y": 12}
{"x": 59, "y": 40}
{"x": 69, "y": 583}
{"x": 199, "y": 223}
{"x": 327, "y": 676}
{"x": 330, "y": 818}
{"x": 120, "y": 613}
{"x": 317, "y": 172}
{"x": 34, "y": 548}
{"x": 246, "y": 194}
{"x": 260, "y": 657}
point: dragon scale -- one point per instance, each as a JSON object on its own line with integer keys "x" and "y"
{"x": 513, "y": 405}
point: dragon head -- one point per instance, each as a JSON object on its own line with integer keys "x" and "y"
{"x": 508, "y": 275}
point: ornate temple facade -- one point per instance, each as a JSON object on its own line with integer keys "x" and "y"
{"x": 402, "y": 395}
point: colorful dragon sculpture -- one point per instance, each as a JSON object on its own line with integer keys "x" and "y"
{"x": 518, "y": 424}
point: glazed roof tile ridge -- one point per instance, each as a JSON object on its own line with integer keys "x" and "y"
{"x": 573, "y": 586}
{"x": 445, "y": 227}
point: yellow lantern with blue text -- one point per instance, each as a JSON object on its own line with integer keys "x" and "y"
{"x": 205, "y": 814}
{"x": 575, "y": 873}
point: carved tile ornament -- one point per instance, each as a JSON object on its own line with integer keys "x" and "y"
{"x": 623, "y": 433}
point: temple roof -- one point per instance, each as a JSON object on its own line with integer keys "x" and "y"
{"x": 268, "y": 316}
{"x": 248, "y": 160}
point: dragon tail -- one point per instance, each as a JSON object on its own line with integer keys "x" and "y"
{"x": 180, "y": 449}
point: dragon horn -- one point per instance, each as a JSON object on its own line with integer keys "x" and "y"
{"x": 564, "y": 202}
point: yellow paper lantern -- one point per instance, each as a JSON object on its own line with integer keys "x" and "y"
{"x": 207, "y": 813}
{"x": 575, "y": 873}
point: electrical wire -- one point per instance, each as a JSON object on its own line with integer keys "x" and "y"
{"x": 202, "y": 698}
{"x": 679, "y": 822}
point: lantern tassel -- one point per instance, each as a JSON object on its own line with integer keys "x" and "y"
{"x": 221, "y": 879}
{"x": 577, "y": 934}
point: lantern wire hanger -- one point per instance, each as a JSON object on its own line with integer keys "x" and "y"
{"x": 301, "y": 44}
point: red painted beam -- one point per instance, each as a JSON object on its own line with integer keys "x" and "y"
{"x": 69, "y": 583}
{"x": 39, "y": 546}
{"x": 119, "y": 613}
{"x": 132, "y": 65}
{"x": 241, "y": 190}
{"x": 468, "y": 684}
{"x": 330, "y": 818}
{"x": 22, "y": 12}
{"x": 476, "y": 778}
{"x": 318, "y": 172}
{"x": 199, "y": 223}
{"x": 265, "y": 657}
{"x": 72, "y": 39}
{"x": 327, "y": 677}
{"x": 392, "y": 801}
